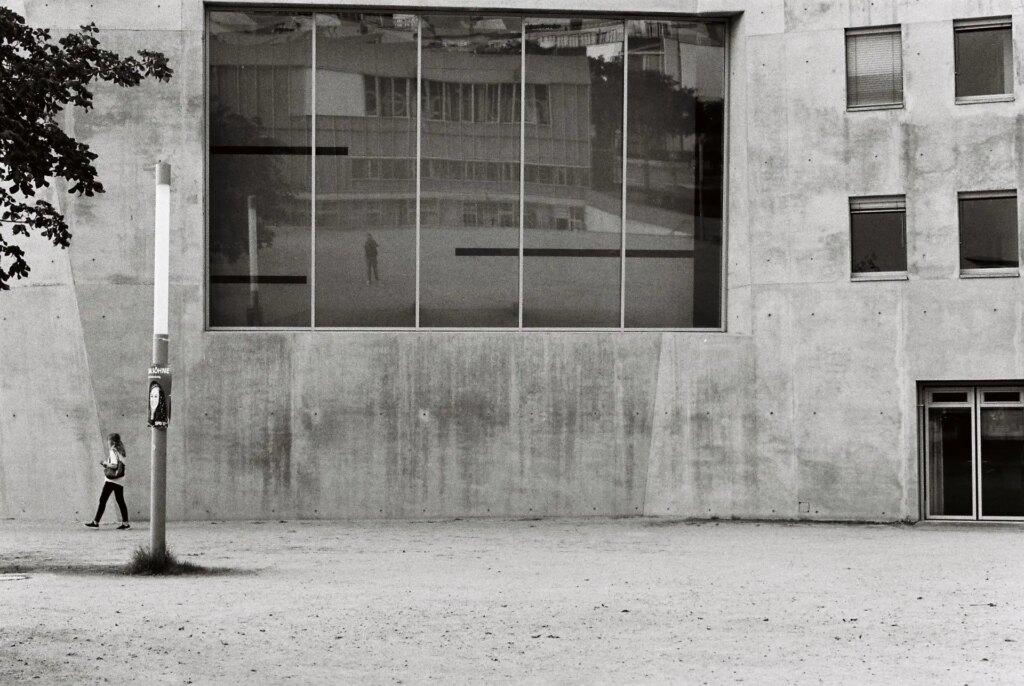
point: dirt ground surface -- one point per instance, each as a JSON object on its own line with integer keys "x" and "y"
{"x": 591, "y": 601}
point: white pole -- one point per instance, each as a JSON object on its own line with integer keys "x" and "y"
{"x": 161, "y": 260}
{"x": 160, "y": 369}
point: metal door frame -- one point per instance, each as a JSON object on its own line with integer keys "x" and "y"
{"x": 980, "y": 403}
{"x": 975, "y": 402}
{"x": 968, "y": 404}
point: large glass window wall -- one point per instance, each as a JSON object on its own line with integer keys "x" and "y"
{"x": 374, "y": 170}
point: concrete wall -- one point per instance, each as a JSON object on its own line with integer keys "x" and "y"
{"x": 808, "y": 398}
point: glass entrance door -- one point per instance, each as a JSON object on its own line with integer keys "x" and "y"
{"x": 950, "y": 461}
{"x": 974, "y": 453}
{"x": 1001, "y": 454}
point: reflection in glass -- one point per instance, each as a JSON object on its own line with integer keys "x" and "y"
{"x": 988, "y": 232}
{"x": 467, "y": 115}
{"x": 674, "y": 174}
{"x": 365, "y": 170}
{"x": 259, "y": 175}
{"x": 984, "y": 61}
{"x": 878, "y": 242}
{"x": 949, "y": 462}
{"x": 1002, "y": 462}
{"x": 573, "y": 217}
{"x": 469, "y": 240}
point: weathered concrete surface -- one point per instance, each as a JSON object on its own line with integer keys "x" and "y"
{"x": 412, "y": 425}
{"x": 592, "y": 601}
{"x": 804, "y": 407}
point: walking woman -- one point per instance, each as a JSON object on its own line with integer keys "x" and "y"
{"x": 113, "y": 472}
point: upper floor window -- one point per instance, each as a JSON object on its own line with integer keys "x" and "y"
{"x": 984, "y": 59}
{"x": 988, "y": 232}
{"x": 878, "y": 236}
{"x": 874, "y": 68}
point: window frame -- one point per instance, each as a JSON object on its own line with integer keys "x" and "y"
{"x": 415, "y": 110}
{"x": 871, "y": 31}
{"x": 879, "y": 204}
{"x": 985, "y": 272}
{"x": 981, "y": 24}
{"x": 975, "y": 402}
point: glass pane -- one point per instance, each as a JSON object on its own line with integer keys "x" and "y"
{"x": 988, "y": 233}
{"x": 949, "y": 462}
{"x": 469, "y": 241}
{"x": 877, "y": 242}
{"x": 260, "y": 223}
{"x": 366, "y": 170}
{"x": 1002, "y": 462}
{"x": 984, "y": 62}
{"x": 949, "y": 397}
{"x": 573, "y": 219}
{"x": 676, "y": 98}
{"x": 1002, "y": 396}
{"x": 874, "y": 70}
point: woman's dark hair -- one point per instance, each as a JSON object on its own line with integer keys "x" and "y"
{"x": 115, "y": 442}
{"x": 159, "y": 413}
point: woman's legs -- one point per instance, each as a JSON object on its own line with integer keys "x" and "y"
{"x": 119, "y": 496}
{"x": 107, "y": 490}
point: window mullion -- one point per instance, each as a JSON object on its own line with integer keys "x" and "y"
{"x": 419, "y": 158}
{"x": 522, "y": 161}
{"x": 625, "y": 169}
{"x": 312, "y": 187}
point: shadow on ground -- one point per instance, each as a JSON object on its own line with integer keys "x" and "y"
{"x": 98, "y": 569}
{"x": 781, "y": 523}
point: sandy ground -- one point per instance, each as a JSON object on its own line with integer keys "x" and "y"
{"x": 595, "y": 601}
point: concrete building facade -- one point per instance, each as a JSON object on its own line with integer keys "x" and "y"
{"x": 823, "y": 390}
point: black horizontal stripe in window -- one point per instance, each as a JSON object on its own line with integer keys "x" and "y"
{"x": 277, "y": 150}
{"x": 246, "y": 278}
{"x": 569, "y": 252}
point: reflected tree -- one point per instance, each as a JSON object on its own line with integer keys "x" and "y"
{"x": 234, "y": 178}
{"x": 868, "y": 263}
{"x": 660, "y": 116}
{"x": 659, "y": 109}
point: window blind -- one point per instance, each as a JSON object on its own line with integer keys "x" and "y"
{"x": 879, "y": 203}
{"x": 874, "y": 68}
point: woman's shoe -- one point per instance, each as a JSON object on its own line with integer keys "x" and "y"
{"x": 124, "y": 525}
{"x": 92, "y": 525}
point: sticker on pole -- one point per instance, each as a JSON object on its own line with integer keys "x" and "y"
{"x": 159, "y": 397}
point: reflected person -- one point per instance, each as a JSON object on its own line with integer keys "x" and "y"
{"x": 370, "y": 250}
